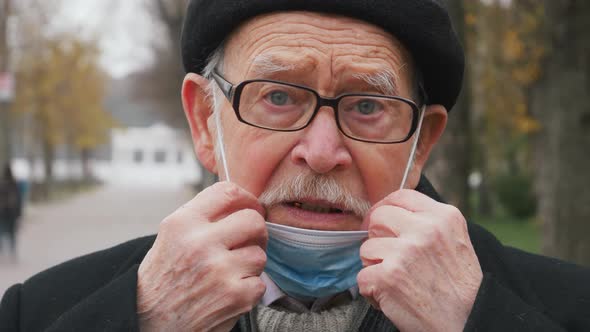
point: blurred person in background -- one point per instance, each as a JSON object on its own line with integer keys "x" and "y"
{"x": 10, "y": 211}
{"x": 318, "y": 116}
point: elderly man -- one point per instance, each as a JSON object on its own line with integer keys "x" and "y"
{"x": 318, "y": 117}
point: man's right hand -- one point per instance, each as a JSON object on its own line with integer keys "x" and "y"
{"x": 203, "y": 271}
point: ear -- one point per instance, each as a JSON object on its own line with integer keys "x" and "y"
{"x": 433, "y": 126}
{"x": 197, "y": 108}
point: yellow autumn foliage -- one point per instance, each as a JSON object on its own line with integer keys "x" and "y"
{"x": 505, "y": 43}
{"x": 62, "y": 87}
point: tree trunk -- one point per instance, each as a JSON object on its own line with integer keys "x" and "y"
{"x": 85, "y": 160}
{"x": 48, "y": 158}
{"x": 5, "y": 118}
{"x": 450, "y": 162}
{"x": 562, "y": 104}
{"x": 484, "y": 195}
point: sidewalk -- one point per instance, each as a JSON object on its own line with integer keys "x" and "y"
{"x": 53, "y": 233}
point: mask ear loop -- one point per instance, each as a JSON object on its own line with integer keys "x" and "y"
{"x": 219, "y": 130}
{"x": 410, "y": 163}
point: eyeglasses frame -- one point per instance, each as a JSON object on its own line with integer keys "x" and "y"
{"x": 233, "y": 93}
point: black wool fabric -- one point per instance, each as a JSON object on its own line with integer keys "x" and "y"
{"x": 423, "y": 26}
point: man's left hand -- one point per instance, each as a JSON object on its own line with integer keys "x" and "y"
{"x": 420, "y": 268}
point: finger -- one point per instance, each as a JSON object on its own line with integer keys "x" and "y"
{"x": 220, "y": 200}
{"x": 250, "y": 260}
{"x": 242, "y": 297}
{"x": 390, "y": 221}
{"x": 407, "y": 199}
{"x": 246, "y": 295}
{"x": 374, "y": 251}
{"x": 241, "y": 228}
{"x": 410, "y": 200}
{"x": 254, "y": 289}
{"x": 368, "y": 283}
{"x": 428, "y": 213}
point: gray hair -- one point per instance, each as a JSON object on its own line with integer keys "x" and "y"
{"x": 215, "y": 95}
{"x": 214, "y": 63}
{"x": 307, "y": 184}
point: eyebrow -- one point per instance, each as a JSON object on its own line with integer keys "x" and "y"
{"x": 384, "y": 80}
{"x": 267, "y": 64}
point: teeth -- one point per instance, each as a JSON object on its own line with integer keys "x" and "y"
{"x": 315, "y": 208}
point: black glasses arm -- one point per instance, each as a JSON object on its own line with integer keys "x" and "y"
{"x": 226, "y": 87}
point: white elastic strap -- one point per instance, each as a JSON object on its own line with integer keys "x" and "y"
{"x": 315, "y": 238}
{"x": 220, "y": 144}
{"x": 414, "y": 147}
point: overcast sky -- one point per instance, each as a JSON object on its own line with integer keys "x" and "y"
{"x": 123, "y": 27}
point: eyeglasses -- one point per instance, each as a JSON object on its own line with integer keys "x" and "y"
{"x": 286, "y": 107}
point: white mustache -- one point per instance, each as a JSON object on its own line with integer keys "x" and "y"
{"x": 308, "y": 185}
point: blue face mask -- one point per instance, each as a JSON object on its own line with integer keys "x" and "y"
{"x": 313, "y": 264}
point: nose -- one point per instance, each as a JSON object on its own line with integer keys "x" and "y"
{"x": 321, "y": 146}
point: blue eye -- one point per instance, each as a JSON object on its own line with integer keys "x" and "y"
{"x": 366, "y": 107}
{"x": 278, "y": 98}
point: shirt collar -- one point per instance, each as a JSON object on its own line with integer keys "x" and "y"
{"x": 273, "y": 293}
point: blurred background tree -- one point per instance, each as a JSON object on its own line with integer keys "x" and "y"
{"x": 59, "y": 90}
{"x": 487, "y": 135}
{"x": 5, "y": 57}
{"x": 561, "y": 102}
{"x": 451, "y": 163}
{"x": 162, "y": 81}
{"x": 527, "y": 102}
{"x": 505, "y": 46}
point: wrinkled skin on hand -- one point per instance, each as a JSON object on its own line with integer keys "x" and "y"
{"x": 203, "y": 271}
{"x": 420, "y": 267}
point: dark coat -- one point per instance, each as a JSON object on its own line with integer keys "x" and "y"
{"x": 10, "y": 205}
{"x": 97, "y": 292}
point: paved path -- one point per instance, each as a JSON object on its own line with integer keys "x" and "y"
{"x": 99, "y": 219}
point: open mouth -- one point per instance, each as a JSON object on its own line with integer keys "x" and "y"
{"x": 314, "y": 207}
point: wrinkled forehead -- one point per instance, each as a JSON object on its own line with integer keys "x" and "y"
{"x": 301, "y": 41}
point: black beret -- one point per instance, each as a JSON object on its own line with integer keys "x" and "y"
{"x": 423, "y": 27}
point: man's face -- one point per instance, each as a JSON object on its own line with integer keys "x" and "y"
{"x": 332, "y": 55}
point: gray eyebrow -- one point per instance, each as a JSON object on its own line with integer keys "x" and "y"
{"x": 385, "y": 81}
{"x": 266, "y": 64}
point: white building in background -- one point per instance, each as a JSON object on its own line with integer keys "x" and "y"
{"x": 143, "y": 152}
{"x": 158, "y": 155}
